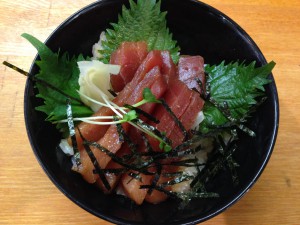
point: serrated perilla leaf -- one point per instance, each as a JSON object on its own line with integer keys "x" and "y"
{"x": 143, "y": 21}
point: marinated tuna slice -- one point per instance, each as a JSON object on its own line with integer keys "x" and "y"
{"x": 94, "y": 132}
{"x": 191, "y": 68}
{"x": 129, "y": 56}
{"x": 156, "y": 196}
{"x": 113, "y": 178}
{"x": 131, "y": 187}
{"x": 111, "y": 140}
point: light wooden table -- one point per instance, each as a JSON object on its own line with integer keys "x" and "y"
{"x": 27, "y": 196}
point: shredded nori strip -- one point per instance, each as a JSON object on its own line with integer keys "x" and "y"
{"x": 112, "y": 93}
{"x": 221, "y": 159}
{"x": 154, "y": 130}
{"x": 230, "y": 163}
{"x": 172, "y": 174}
{"x": 116, "y": 171}
{"x": 142, "y": 112}
{"x": 72, "y": 130}
{"x": 177, "y": 121}
{"x": 98, "y": 169}
{"x": 124, "y": 137}
{"x": 179, "y": 195}
{"x": 136, "y": 176}
{"x": 161, "y": 189}
{"x": 185, "y": 163}
{"x": 118, "y": 159}
{"x": 177, "y": 180}
{"x": 156, "y": 176}
{"x": 46, "y": 84}
{"x": 147, "y": 144}
{"x": 203, "y": 94}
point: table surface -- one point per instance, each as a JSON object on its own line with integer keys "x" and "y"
{"x": 27, "y": 196}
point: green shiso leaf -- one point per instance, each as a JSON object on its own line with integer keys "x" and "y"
{"x": 63, "y": 73}
{"x": 143, "y": 21}
{"x": 238, "y": 85}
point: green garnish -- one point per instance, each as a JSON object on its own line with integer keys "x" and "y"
{"x": 61, "y": 72}
{"x": 234, "y": 88}
{"x": 143, "y": 21}
{"x": 129, "y": 116}
{"x": 148, "y": 97}
{"x": 165, "y": 147}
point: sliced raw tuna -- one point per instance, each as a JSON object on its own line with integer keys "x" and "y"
{"x": 185, "y": 104}
{"x": 155, "y": 196}
{"x": 169, "y": 69}
{"x": 94, "y": 132}
{"x": 157, "y": 72}
{"x": 111, "y": 140}
{"x": 158, "y": 88}
{"x": 191, "y": 68}
{"x": 187, "y": 118}
{"x": 129, "y": 56}
{"x": 132, "y": 188}
{"x": 178, "y": 98}
{"x": 113, "y": 178}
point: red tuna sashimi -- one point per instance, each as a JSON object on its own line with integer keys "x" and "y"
{"x": 132, "y": 188}
{"x": 187, "y": 119}
{"x": 155, "y": 196}
{"x": 191, "y": 68}
{"x": 158, "y": 88}
{"x": 178, "y": 98}
{"x": 129, "y": 56}
{"x": 168, "y": 69}
{"x": 113, "y": 178}
{"x": 94, "y": 132}
{"x": 111, "y": 140}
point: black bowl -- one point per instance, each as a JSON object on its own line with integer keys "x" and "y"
{"x": 199, "y": 29}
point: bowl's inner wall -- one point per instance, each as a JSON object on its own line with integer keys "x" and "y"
{"x": 200, "y": 30}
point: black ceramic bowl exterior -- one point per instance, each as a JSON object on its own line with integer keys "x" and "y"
{"x": 200, "y": 30}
